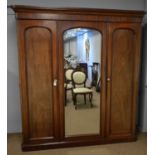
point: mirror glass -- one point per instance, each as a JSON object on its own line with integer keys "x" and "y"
{"x": 82, "y": 81}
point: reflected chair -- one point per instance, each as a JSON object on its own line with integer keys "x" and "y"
{"x": 79, "y": 84}
{"x": 68, "y": 82}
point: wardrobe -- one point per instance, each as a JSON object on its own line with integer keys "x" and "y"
{"x": 40, "y": 33}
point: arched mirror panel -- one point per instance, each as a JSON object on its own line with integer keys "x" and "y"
{"x": 82, "y": 81}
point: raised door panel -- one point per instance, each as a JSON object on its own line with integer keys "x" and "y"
{"x": 38, "y": 53}
{"x": 123, "y": 59}
{"x": 37, "y": 57}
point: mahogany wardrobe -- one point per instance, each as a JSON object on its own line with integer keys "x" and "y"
{"x": 53, "y": 40}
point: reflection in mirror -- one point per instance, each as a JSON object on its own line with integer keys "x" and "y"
{"x": 82, "y": 64}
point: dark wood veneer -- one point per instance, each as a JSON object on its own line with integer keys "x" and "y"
{"x": 74, "y": 14}
{"x": 40, "y": 42}
{"x": 82, "y": 11}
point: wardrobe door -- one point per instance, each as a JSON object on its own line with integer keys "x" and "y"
{"x": 38, "y": 70}
{"x": 122, "y": 79}
{"x": 83, "y": 122}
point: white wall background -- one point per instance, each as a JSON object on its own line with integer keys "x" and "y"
{"x": 13, "y": 99}
{"x": 114, "y": 4}
{"x": 14, "y": 113}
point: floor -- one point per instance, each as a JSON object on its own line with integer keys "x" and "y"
{"x": 132, "y": 148}
{"x": 85, "y": 119}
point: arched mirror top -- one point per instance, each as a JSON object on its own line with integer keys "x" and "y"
{"x": 74, "y": 32}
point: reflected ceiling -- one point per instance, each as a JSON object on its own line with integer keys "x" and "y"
{"x": 74, "y": 32}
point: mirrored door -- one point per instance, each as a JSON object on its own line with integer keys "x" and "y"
{"x": 83, "y": 81}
